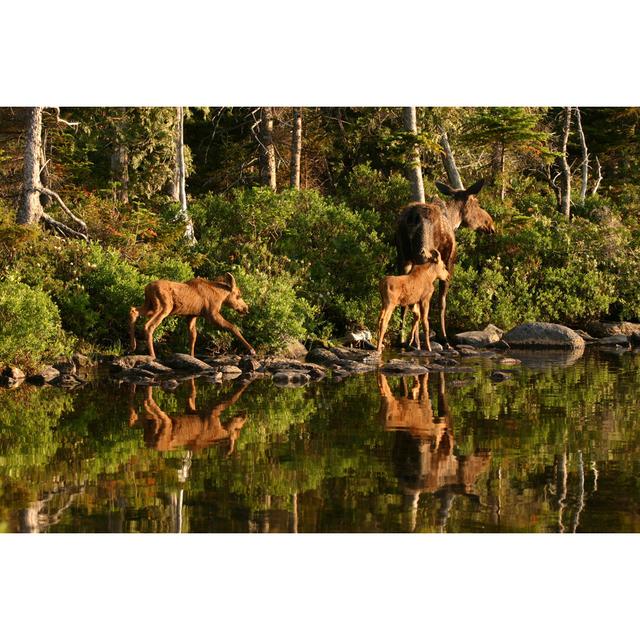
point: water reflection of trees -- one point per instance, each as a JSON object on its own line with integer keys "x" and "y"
{"x": 353, "y": 456}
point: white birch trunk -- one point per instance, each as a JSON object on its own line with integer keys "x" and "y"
{"x": 414, "y": 170}
{"x": 585, "y": 157}
{"x": 296, "y": 148}
{"x": 30, "y": 210}
{"x": 120, "y": 160}
{"x": 267, "y": 151}
{"x": 449, "y": 161}
{"x": 182, "y": 177}
{"x": 565, "y": 187}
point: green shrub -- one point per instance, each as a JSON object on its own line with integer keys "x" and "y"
{"x": 334, "y": 255}
{"x": 276, "y": 313}
{"x": 30, "y": 329}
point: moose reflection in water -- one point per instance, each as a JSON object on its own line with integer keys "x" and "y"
{"x": 423, "y": 456}
{"x": 193, "y": 430}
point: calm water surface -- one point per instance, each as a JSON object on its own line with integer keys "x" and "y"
{"x": 554, "y": 449}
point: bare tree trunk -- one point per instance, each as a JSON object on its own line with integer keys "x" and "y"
{"x": 449, "y": 161}
{"x": 503, "y": 184}
{"x": 172, "y": 188}
{"x": 267, "y": 151}
{"x": 45, "y": 178}
{"x": 414, "y": 170}
{"x": 296, "y": 148}
{"x": 585, "y": 157}
{"x": 599, "y": 180}
{"x": 182, "y": 177}
{"x": 120, "y": 160}
{"x": 565, "y": 188}
{"x": 31, "y": 211}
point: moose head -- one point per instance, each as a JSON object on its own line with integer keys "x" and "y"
{"x": 465, "y": 208}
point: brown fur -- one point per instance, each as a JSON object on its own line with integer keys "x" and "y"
{"x": 463, "y": 207}
{"x": 192, "y": 430}
{"x": 414, "y": 288}
{"x": 193, "y": 299}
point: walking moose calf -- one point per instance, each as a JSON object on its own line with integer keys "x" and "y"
{"x": 192, "y": 299}
{"x": 414, "y": 289}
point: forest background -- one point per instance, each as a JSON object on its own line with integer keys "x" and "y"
{"x": 300, "y": 204}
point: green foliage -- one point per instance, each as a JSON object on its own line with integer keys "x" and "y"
{"x": 276, "y": 313}
{"x": 30, "y": 329}
{"x": 333, "y": 255}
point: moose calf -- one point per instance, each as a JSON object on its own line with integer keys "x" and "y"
{"x": 413, "y": 289}
{"x": 192, "y": 299}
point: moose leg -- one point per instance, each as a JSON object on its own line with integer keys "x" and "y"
{"x": 134, "y": 314}
{"x": 424, "y": 312}
{"x": 151, "y": 326}
{"x": 442, "y": 294}
{"x": 415, "y": 329}
{"x": 193, "y": 333}
{"x": 217, "y": 319}
{"x": 383, "y": 323}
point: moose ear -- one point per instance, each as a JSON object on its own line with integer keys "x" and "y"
{"x": 475, "y": 188}
{"x": 230, "y": 280}
{"x": 445, "y": 188}
{"x": 435, "y": 256}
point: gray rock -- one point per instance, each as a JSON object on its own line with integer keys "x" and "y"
{"x": 185, "y": 362}
{"x": 351, "y": 366}
{"x": 290, "y": 377}
{"x": 544, "y": 335}
{"x": 45, "y": 375}
{"x": 322, "y": 356}
{"x": 138, "y": 372}
{"x": 222, "y": 360}
{"x": 14, "y": 373}
{"x": 213, "y": 376}
{"x": 509, "y": 361}
{"x": 614, "y": 341}
{"x": 446, "y": 362}
{"x": 604, "y": 329}
{"x": 67, "y": 380}
{"x": 65, "y": 367}
{"x": 294, "y": 349}
{"x": 230, "y": 370}
{"x": 500, "y": 376}
{"x": 585, "y": 336}
{"x": 155, "y": 367}
{"x": 170, "y": 384}
{"x": 404, "y": 368}
{"x": 81, "y": 361}
{"x": 249, "y": 364}
{"x": 129, "y": 362}
{"x": 488, "y": 336}
{"x": 10, "y": 383}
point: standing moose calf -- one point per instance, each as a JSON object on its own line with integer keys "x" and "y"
{"x": 192, "y": 299}
{"x": 415, "y": 290}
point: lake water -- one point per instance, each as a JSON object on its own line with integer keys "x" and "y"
{"x": 556, "y": 448}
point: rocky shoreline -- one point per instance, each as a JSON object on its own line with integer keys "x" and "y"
{"x": 339, "y": 362}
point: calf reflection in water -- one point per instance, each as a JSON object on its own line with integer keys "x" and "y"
{"x": 423, "y": 456}
{"x": 193, "y": 430}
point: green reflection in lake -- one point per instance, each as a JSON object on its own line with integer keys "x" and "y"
{"x": 555, "y": 448}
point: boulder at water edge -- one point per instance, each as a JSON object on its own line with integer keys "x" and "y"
{"x": 543, "y": 335}
{"x": 488, "y": 336}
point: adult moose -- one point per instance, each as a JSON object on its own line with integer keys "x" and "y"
{"x": 419, "y": 231}
{"x": 192, "y": 299}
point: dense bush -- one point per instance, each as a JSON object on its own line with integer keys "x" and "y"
{"x": 30, "y": 329}
{"x": 333, "y": 255}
